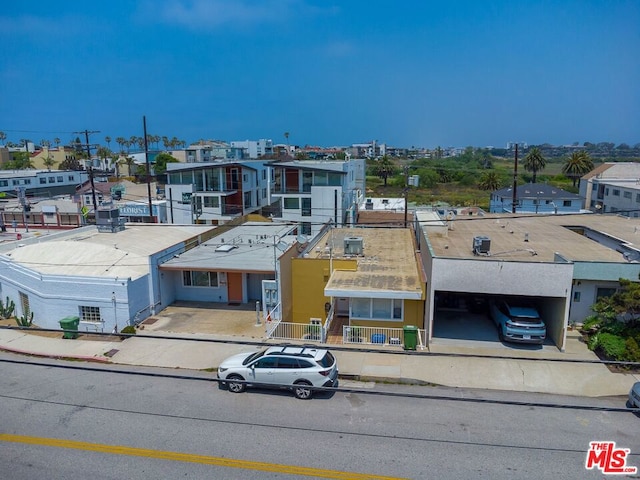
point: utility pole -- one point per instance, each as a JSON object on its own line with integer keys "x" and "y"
{"x": 406, "y": 193}
{"x": 90, "y": 170}
{"x": 515, "y": 182}
{"x": 146, "y": 161}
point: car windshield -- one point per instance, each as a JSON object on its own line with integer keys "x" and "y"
{"x": 253, "y": 356}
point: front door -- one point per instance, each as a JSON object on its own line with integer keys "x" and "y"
{"x": 234, "y": 287}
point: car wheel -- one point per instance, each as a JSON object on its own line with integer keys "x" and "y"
{"x": 235, "y": 387}
{"x": 302, "y": 390}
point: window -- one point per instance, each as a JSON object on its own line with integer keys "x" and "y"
{"x": 566, "y": 203}
{"x": 43, "y": 180}
{"x": 291, "y": 203}
{"x": 211, "y": 202}
{"x": 604, "y": 292}
{"x": 264, "y": 174}
{"x": 245, "y": 178}
{"x": 90, "y": 314}
{"x": 17, "y": 182}
{"x": 247, "y": 199}
{"x": 626, "y": 195}
{"x": 606, "y": 191}
{"x": 27, "y": 181}
{"x": 320, "y": 179}
{"x": 576, "y": 296}
{"x": 267, "y": 362}
{"x": 377, "y": 308}
{"x": 71, "y": 178}
{"x": 199, "y": 279}
{"x": 24, "y": 303}
{"x": 637, "y": 197}
{"x": 616, "y": 192}
{"x": 306, "y": 207}
{"x": 4, "y": 183}
{"x": 334, "y": 179}
{"x": 264, "y": 192}
{"x": 306, "y": 228}
{"x": 60, "y": 178}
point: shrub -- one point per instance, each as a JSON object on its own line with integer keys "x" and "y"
{"x": 610, "y": 345}
{"x": 130, "y": 329}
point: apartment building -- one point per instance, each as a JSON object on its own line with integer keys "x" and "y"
{"x": 312, "y": 193}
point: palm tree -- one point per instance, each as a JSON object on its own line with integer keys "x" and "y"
{"x": 49, "y": 161}
{"x": 103, "y": 153}
{"x": 129, "y": 161}
{"x": 286, "y": 136}
{"x": 534, "y": 162}
{"x": 56, "y": 141}
{"x": 489, "y": 181}
{"x": 384, "y": 168}
{"x": 3, "y": 137}
{"x": 133, "y": 140}
{"x": 108, "y": 140}
{"x": 577, "y": 165}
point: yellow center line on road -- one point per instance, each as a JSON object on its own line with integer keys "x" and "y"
{"x": 187, "y": 457}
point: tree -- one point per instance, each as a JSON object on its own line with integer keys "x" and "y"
{"x": 121, "y": 141}
{"x": 577, "y": 165}
{"x": 20, "y": 161}
{"x": 161, "y": 161}
{"x": 103, "y": 154}
{"x": 49, "y": 161}
{"x": 384, "y": 168}
{"x": 3, "y": 137}
{"x": 489, "y": 181}
{"x": 534, "y": 162}
{"x": 129, "y": 161}
{"x": 108, "y": 140}
{"x": 70, "y": 163}
{"x": 56, "y": 141}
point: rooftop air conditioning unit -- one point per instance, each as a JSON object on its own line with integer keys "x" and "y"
{"x": 368, "y": 204}
{"x": 481, "y": 245}
{"x": 353, "y": 246}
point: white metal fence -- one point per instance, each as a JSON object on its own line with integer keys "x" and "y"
{"x": 297, "y": 331}
{"x": 380, "y": 336}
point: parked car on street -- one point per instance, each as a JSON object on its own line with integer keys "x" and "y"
{"x": 296, "y": 368}
{"x": 517, "y": 323}
{"x": 634, "y": 396}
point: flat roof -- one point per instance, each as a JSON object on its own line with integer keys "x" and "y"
{"x": 250, "y": 247}
{"x": 532, "y": 238}
{"x": 87, "y": 252}
{"x": 388, "y": 265}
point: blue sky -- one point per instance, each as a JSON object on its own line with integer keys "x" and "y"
{"x": 407, "y": 73}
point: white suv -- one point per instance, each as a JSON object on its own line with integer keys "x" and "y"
{"x": 295, "y": 368}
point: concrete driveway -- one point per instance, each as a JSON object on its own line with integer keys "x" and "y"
{"x": 206, "y": 318}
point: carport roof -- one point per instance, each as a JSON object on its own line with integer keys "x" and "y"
{"x": 387, "y": 269}
{"x": 250, "y": 247}
{"x": 533, "y": 238}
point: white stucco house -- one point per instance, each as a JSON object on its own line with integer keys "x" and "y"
{"x": 108, "y": 280}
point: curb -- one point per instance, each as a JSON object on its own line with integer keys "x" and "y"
{"x": 80, "y": 358}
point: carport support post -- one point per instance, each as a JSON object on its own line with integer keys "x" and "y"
{"x": 257, "y": 313}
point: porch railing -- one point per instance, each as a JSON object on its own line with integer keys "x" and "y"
{"x": 297, "y": 331}
{"x": 378, "y": 336}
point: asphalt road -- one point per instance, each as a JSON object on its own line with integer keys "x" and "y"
{"x": 76, "y": 424}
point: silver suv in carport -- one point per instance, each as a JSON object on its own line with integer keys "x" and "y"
{"x": 295, "y": 368}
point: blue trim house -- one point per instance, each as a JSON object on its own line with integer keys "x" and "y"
{"x": 535, "y": 198}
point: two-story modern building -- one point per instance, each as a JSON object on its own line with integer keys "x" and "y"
{"x": 215, "y": 192}
{"x": 313, "y": 193}
{"x": 613, "y": 188}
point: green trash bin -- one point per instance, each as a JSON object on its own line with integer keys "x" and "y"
{"x": 70, "y": 327}
{"x": 410, "y": 337}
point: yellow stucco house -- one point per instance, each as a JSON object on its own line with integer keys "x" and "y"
{"x": 356, "y": 277}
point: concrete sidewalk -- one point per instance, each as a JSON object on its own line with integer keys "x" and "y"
{"x": 436, "y": 367}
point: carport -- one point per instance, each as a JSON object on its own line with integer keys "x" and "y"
{"x": 465, "y": 316}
